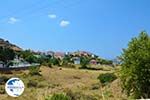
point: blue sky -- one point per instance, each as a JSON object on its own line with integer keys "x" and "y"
{"x": 103, "y": 27}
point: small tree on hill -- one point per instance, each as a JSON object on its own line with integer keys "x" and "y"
{"x": 84, "y": 62}
{"x": 6, "y": 54}
{"x": 135, "y": 71}
{"x": 55, "y": 61}
{"x": 67, "y": 60}
{"x": 31, "y": 59}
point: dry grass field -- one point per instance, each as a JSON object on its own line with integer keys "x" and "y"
{"x": 75, "y": 82}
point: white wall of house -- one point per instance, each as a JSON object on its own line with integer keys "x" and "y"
{"x": 1, "y": 65}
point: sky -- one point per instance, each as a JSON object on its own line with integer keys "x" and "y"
{"x": 103, "y": 27}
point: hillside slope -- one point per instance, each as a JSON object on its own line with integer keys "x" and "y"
{"x": 5, "y": 43}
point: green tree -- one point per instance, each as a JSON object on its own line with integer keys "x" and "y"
{"x": 67, "y": 60}
{"x": 25, "y": 54}
{"x": 31, "y": 59}
{"x": 6, "y": 54}
{"x": 84, "y": 62}
{"x": 135, "y": 70}
{"x": 55, "y": 61}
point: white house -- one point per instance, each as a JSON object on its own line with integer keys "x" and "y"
{"x": 76, "y": 60}
{"x": 2, "y": 64}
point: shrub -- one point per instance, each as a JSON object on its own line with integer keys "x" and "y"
{"x": 55, "y": 61}
{"x": 73, "y": 95}
{"x": 135, "y": 70}
{"x": 107, "y": 78}
{"x": 95, "y": 86}
{"x": 34, "y": 70}
{"x": 2, "y": 90}
{"x": 84, "y": 62}
{"x": 79, "y": 96}
{"x": 69, "y": 65}
{"x": 32, "y": 83}
{"x": 57, "y": 97}
{"x": 48, "y": 98}
{"x": 3, "y": 80}
{"x": 44, "y": 64}
{"x": 93, "y": 68}
{"x": 48, "y": 64}
{"x": 107, "y": 94}
{"x": 6, "y": 54}
{"x": 42, "y": 85}
{"x": 31, "y": 59}
{"x": 53, "y": 85}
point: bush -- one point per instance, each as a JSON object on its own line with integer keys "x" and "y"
{"x": 91, "y": 68}
{"x": 44, "y": 64}
{"x": 135, "y": 70}
{"x": 55, "y": 61}
{"x": 73, "y": 95}
{"x": 6, "y": 54}
{"x": 48, "y": 64}
{"x": 107, "y": 78}
{"x": 31, "y": 59}
{"x": 3, "y": 80}
{"x": 69, "y": 65}
{"x": 57, "y": 97}
{"x": 107, "y": 94}
{"x": 34, "y": 70}
{"x": 84, "y": 62}
{"x": 80, "y": 96}
{"x": 32, "y": 83}
{"x": 95, "y": 86}
{"x": 42, "y": 85}
{"x": 106, "y": 62}
{"x": 48, "y": 98}
{"x": 2, "y": 90}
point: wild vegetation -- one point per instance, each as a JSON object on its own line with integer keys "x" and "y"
{"x": 61, "y": 79}
{"x": 106, "y": 78}
{"x": 135, "y": 70}
{"x": 6, "y": 54}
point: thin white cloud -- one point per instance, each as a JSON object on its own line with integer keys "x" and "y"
{"x": 64, "y": 23}
{"x": 52, "y": 16}
{"x": 12, "y": 20}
